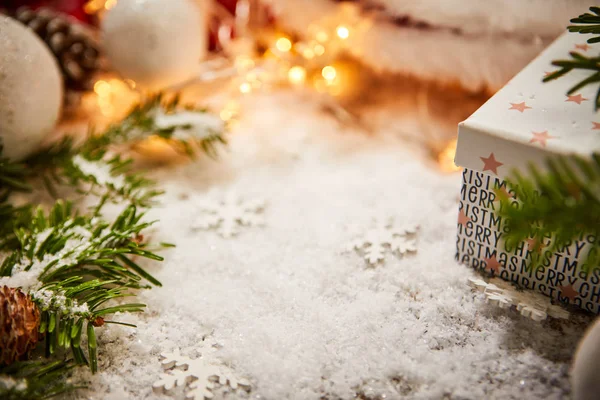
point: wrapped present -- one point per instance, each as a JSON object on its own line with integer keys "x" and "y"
{"x": 525, "y": 123}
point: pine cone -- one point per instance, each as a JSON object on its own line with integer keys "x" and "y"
{"x": 71, "y": 42}
{"x": 19, "y": 325}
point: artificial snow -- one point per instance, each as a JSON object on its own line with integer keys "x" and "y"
{"x": 300, "y": 317}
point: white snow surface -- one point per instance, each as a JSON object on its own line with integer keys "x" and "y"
{"x": 301, "y": 318}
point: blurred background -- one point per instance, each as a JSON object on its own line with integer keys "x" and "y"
{"x": 413, "y": 68}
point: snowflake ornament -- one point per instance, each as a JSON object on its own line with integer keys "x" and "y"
{"x": 199, "y": 376}
{"x": 527, "y": 303}
{"x": 374, "y": 244}
{"x": 228, "y": 213}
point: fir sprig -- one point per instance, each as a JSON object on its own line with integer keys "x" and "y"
{"x": 555, "y": 207}
{"x": 77, "y": 266}
{"x": 589, "y": 23}
{"x": 72, "y": 265}
{"x": 35, "y": 380}
{"x": 579, "y": 62}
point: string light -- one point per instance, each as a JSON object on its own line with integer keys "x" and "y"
{"x": 283, "y": 44}
{"x": 329, "y": 73}
{"x": 297, "y": 75}
{"x": 343, "y": 32}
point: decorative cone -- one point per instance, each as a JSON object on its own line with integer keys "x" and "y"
{"x": 19, "y": 325}
{"x": 71, "y": 42}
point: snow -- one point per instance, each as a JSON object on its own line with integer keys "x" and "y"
{"x": 100, "y": 170}
{"x": 301, "y": 318}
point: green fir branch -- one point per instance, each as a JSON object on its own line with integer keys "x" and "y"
{"x": 588, "y": 23}
{"x": 555, "y": 207}
{"x": 78, "y": 267}
{"x": 35, "y": 380}
{"x": 79, "y": 264}
{"x": 579, "y": 62}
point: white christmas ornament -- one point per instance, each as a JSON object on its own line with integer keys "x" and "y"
{"x": 199, "y": 376}
{"x": 157, "y": 43}
{"x": 227, "y": 213}
{"x": 375, "y": 242}
{"x": 586, "y": 364}
{"x": 527, "y": 303}
{"x": 30, "y": 90}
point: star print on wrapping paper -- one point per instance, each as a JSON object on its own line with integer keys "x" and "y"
{"x": 463, "y": 219}
{"x": 569, "y": 292}
{"x": 503, "y": 194}
{"x": 521, "y": 107}
{"x": 491, "y": 164}
{"x": 596, "y": 126}
{"x": 492, "y": 265}
{"x": 576, "y": 98}
{"x": 584, "y": 47}
{"x": 541, "y": 138}
{"x": 534, "y": 245}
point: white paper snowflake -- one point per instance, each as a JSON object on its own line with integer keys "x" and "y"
{"x": 199, "y": 376}
{"x": 528, "y": 303}
{"x": 376, "y": 241}
{"x": 227, "y": 213}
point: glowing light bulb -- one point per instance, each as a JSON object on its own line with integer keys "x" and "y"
{"x": 297, "y": 75}
{"x": 329, "y": 73}
{"x": 283, "y": 44}
{"x": 343, "y": 32}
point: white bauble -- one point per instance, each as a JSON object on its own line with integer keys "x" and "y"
{"x": 30, "y": 90}
{"x": 585, "y": 373}
{"x": 156, "y": 43}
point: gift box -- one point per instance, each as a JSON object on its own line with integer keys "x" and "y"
{"x": 526, "y": 122}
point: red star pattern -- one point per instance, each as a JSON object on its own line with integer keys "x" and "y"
{"x": 569, "y": 292}
{"x": 584, "y": 47}
{"x": 534, "y": 245}
{"x": 521, "y": 107}
{"x": 541, "y": 138}
{"x": 463, "y": 219}
{"x": 492, "y": 264}
{"x": 577, "y": 98}
{"x": 596, "y": 126}
{"x": 491, "y": 164}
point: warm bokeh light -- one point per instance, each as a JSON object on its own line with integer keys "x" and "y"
{"x": 297, "y": 75}
{"x": 329, "y": 73}
{"x": 308, "y": 54}
{"x": 319, "y": 49}
{"x": 245, "y": 88}
{"x": 244, "y": 63}
{"x": 343, "y": 32}
{"x": 110, "y": 100}
{"x": 283, "y": 44}
{"x": 322, "y": 36}
{"x": 110, "y": 4}
{"x": 446, "y": 158}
